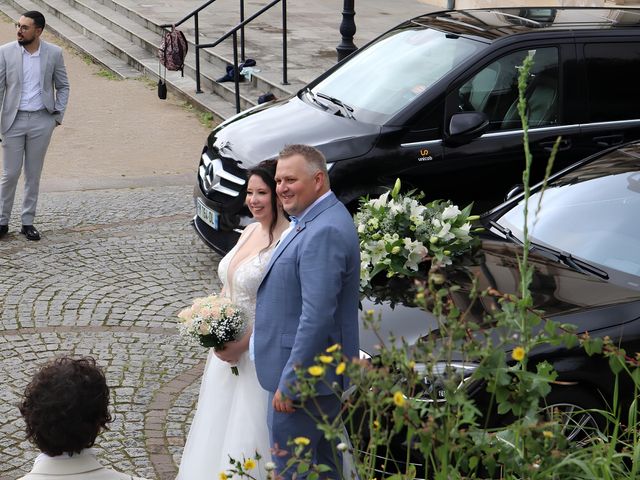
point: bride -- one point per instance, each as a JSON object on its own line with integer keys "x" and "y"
{"x": 231, "y": 417}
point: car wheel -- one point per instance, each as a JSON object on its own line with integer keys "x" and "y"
{"x": 577, "y": 411}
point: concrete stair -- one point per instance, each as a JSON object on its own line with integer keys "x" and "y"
{"x": 125, "y": 42}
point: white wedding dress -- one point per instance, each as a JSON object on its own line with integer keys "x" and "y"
{"x": 231, "y": 417}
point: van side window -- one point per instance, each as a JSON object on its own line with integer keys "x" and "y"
{"x": 618, "y": 66}
{"x": 494, "y": 91}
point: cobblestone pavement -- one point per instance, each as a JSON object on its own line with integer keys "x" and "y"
{"x": 107, "y": 279}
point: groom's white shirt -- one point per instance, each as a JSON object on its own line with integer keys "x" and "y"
{"x": 284, "y": 235}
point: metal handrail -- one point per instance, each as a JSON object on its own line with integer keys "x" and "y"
{"x": 194, "y": 14}
{"x": 234, "y": 32}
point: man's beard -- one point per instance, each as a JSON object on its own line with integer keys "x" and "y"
{"x": 24, "y": 41}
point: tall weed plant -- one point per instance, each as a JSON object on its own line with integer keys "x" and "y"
{"x": 465, "y": 402}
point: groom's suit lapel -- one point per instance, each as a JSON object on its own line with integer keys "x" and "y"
{"x": 309, "y": 217}
{"x": 44, "y": 62}
{"x": 17, "y": 58}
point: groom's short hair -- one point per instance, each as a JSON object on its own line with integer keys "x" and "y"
{"x": 314, "y": 157}
{"x": 37, "y": 17}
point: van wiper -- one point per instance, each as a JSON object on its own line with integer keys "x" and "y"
{"x": 307, "y": 91}
{"x": 572, "y": 262}
{"x": 564, "y": 257}
{"x": 348, "y": 111}
{"x": 505, "y": 231}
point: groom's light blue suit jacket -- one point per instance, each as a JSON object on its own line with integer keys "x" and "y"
{"x": 308, "y": 298}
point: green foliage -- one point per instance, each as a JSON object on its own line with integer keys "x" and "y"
{"x": 435, "y": 397}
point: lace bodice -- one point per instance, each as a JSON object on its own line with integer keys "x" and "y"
{"x": 242, "y": 287}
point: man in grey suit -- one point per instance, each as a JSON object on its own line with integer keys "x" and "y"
{"x": 307, "y": 302}
{"x": 34, "y": 91}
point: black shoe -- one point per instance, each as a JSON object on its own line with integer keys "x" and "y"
{"x": 3, "y": 230}
{"x": 30, "y": 232}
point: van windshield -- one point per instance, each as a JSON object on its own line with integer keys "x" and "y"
{"x": 388, "y": 75}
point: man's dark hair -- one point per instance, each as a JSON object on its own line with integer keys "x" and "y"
{"x": 38, "y": 18}
{"x": 66, "y": 405}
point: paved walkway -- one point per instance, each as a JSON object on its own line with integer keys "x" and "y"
{"x": 109, "y": 289}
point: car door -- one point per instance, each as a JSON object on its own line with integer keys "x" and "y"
{"x": 489, "y": 164}
{"x": 611, "y": 109}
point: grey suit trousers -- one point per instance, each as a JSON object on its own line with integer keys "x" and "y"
{"x": 24, "y": 144}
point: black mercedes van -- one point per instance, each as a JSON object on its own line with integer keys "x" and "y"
{"x": 433, "y": 101}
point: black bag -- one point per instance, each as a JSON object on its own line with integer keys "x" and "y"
{"x": 162, "y": 89}
{"x": 173, "y": 50}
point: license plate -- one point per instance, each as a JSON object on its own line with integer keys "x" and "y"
{"x": 207, "y": 215}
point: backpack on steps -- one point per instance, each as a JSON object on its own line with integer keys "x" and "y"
{"x": 173, "y": 50}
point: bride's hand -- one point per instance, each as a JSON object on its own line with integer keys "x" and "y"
{"x": 231, "y": 352}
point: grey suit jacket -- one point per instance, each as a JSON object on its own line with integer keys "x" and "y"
{"x": 84, "y": 466}
{"x": 308, "y": 298}
{"x": 53, "y": 81}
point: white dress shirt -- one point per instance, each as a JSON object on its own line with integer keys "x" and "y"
{"x": 31, "y": 98}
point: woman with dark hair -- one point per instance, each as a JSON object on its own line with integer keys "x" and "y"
{"x": 231, "y": 416}
{"x": 65, "y": 407}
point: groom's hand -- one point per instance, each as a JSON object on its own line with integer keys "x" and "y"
{"x": 281, "y": 403}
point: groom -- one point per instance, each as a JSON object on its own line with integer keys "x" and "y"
{"x": 307, "y": 301}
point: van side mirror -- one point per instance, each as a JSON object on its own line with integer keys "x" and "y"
{"x": 465, "y": 126}
{"x": 515, "y": 190}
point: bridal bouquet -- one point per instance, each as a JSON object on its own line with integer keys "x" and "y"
{"x": 397, "y": 233}
{"x": 212, "y": 321}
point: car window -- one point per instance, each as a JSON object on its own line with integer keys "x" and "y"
{"x": 591, "y": 213}
{"x": 389, "y": 74}
{"x": 494, "y": 90}
{"x": 616, "y": 65}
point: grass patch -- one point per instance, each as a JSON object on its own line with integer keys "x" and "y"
{"x": 205, "y": 118}
{"x": 108, "y": 74}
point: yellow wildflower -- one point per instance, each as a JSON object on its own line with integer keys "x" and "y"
{"x": 316, "y": 370}
{"x": 547, "y": 434}
{"x": 325, "y": 358}
{"x": 376, "y": 425}
{"x": 222, "y": 476}
{"x": 301, "y": 441}
{"x": 398, "y": 398}
{"x": 333, "y": 348}
{"x": 249, "y": 464}
{"x": 518, "y": 354}
{"x": 341, "y": 368}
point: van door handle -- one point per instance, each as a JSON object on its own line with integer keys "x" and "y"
{"x": 609, "y": 140}
{"x": 563, "y": 145}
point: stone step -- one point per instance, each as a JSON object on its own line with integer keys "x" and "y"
{"x": 268, "y": 80}
{"x": 111, "y": 34}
